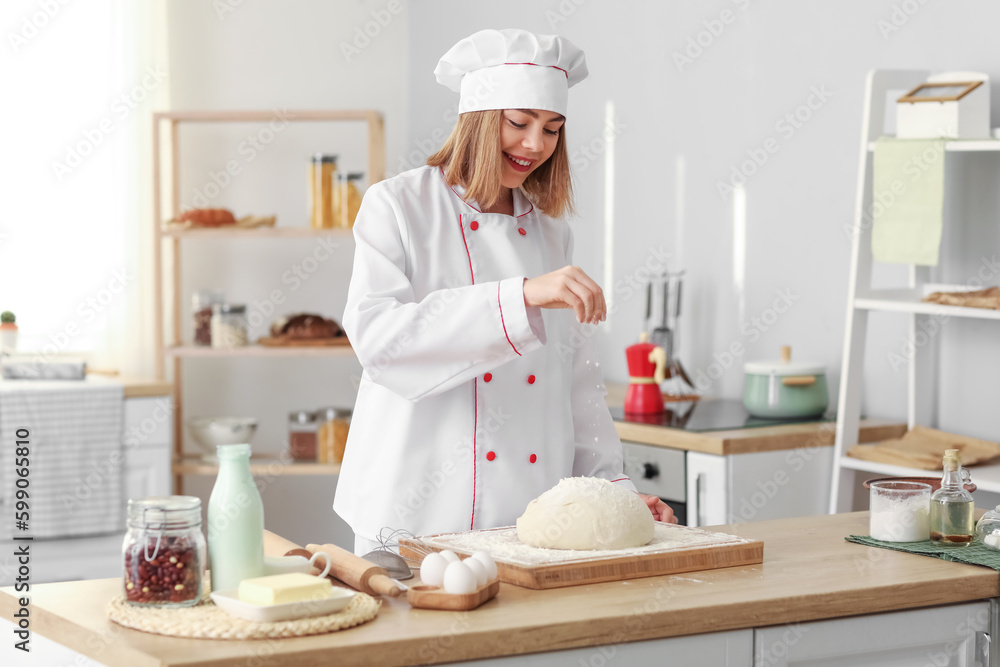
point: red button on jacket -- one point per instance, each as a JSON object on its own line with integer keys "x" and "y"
{"x": 531, "y": 379}
{"x": 520, "y": 230}
{"x": 532, "y": 458}
{"x": 490, "y": 456}
{"x": 487, "y": 377}
{"x": 473, "y": 225}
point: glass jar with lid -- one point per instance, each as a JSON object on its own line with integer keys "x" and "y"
{"x": 347, "y": 199}
{"x": 229, "y": 325}
{"x": 202, "y": 303}
{"x": 163, "y": 554}
{"x": 334, "y": 424}
{"x": 302, "y": 435}
{"x": 322, "y": 182}
{"x": 988, "y": 529}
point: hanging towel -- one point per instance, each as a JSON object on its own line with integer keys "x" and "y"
{"x": 75, "y": 456}
{"x": 907, "y": 202}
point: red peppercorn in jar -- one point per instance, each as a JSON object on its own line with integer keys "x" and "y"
{"x": 164, "y": 552}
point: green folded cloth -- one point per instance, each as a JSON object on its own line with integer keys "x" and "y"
{"x": 907, "y": 200}
{"x": 975, "y": 554}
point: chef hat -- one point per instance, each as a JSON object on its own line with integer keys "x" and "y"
{"x": 512, "y": 69}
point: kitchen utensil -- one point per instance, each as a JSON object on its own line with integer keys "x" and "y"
{"x": 230, "y": 602}
{"x": 434, "y": 597}
{"x": 210, "y": 432}
{"x": 357, "y": 572}
{"x": 387, "y": 555}
{"x": 646, "y": 364}
{"x": 352, "y": 570}
{"x": 674, "y": 549}
{"x": 663, "y": 309}
{"x": 784, "y": 389}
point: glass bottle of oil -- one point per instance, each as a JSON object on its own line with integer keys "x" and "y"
{"x": 951, "y": 511}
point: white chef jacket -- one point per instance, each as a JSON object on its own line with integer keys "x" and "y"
{"x": 471, "y": 404}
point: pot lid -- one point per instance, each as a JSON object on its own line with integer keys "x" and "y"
{"x": 783, "y": 368}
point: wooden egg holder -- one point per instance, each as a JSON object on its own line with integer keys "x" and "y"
{"x": 435, "y": 597}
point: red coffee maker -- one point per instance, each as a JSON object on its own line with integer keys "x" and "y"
{"x": 647, "y": 365}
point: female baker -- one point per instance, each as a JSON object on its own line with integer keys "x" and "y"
{"x": 479, "y": 390}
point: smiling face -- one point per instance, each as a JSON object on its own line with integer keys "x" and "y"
{"x": 528, "y": 138}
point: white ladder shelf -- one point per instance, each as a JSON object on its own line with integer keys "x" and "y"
{"x": 862, "y": 299}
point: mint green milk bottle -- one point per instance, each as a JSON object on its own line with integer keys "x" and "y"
{"x": 235, "y": 521}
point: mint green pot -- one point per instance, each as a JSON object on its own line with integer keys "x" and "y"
{"x": 785, "y": 390}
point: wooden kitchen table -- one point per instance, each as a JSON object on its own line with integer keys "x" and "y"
{"x": 809, "y": 573}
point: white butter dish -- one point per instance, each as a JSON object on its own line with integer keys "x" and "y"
{"x": 230, "y": 602}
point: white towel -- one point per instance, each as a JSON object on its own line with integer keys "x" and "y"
{"x": 76, "y": 457}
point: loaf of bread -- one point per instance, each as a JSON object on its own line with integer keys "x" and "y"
{"x": 208, "y": 217}
{"x": 305, "y": 326}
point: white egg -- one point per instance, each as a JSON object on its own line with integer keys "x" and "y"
{"x": 450, "y": 555}
{"x": 487, "y": 560}
{"x": 432, "y": 569}
{"x": 478, "y": 569}
{"x": 459, "y": 579}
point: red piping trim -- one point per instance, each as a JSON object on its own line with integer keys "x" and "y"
{"x": 537, "y": 65}
{"x": 441, "y": 171}
{"x": 475, "y": 454}
{"x": 528, "y": 211}
{"x": 467, "y": 253}
{"x": 620, "y": 479}
{"x": 504, "y": 324}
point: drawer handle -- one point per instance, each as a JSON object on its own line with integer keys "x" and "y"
{"x": 798, "y": 380}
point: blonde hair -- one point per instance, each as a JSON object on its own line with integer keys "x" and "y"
{"x": 471, "y": 157}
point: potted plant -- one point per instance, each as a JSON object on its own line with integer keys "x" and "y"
{"x": 8, "y": 332}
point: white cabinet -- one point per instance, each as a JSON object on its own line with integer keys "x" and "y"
{"x": 954, "y": 636}
{"x": 718, "y": 649}
{"x": 754, "y": 487}
{"x": 146, "y": 436}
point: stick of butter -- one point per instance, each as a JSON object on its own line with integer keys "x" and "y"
{"x": 284, "y": 589}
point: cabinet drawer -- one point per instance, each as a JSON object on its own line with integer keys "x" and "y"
{"x": 949, "y": 636}
{"x": 148, "y": 421}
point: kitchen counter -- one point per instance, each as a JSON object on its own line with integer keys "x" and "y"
{"x": 134, "y": 387}
{"x": 809, "y": 572}
{"x": 724, "y": 442}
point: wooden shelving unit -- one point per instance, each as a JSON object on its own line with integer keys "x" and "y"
{"x": 166, "y": 129}
{"x": 862, "y": 300}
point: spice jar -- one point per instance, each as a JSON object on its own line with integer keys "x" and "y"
{"x": 346, "y": 200}
{"x": 302, "y": 437}
{"x": 333, "y": 426}
{"x": 202, "y": 302}
{"x": 229, "y": 325}
{"x": 322, "y": 179}
{"x": 163, "y": 554}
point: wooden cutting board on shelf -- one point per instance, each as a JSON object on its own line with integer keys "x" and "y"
{"x": 674, "y": 549}
{"x": 923, "y": 448}
{"x": 281, "y": 341}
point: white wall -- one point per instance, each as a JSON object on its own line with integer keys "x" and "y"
{"x": 274, "y": 56}
{"x": 685, "y": 125}
{"x": 680, "y": 131}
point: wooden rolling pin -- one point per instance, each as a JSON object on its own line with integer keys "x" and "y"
{"x": 353, "y": 570}
{"x": 356, "y": 572}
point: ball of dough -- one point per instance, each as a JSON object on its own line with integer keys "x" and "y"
{"x": 586, "y": 513}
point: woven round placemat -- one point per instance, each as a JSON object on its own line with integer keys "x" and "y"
{"x": 207, "y": 621}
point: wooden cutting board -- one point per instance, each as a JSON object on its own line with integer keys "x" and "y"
{"x": 674, "y": 549}
{"x": 924, "y": 447}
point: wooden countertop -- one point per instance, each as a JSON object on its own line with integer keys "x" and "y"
{"x": 757, "y": 439}
{"x": 134, "y": 387}
{"x": 809, "y": 572}
{"x": 745, "y": 440}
